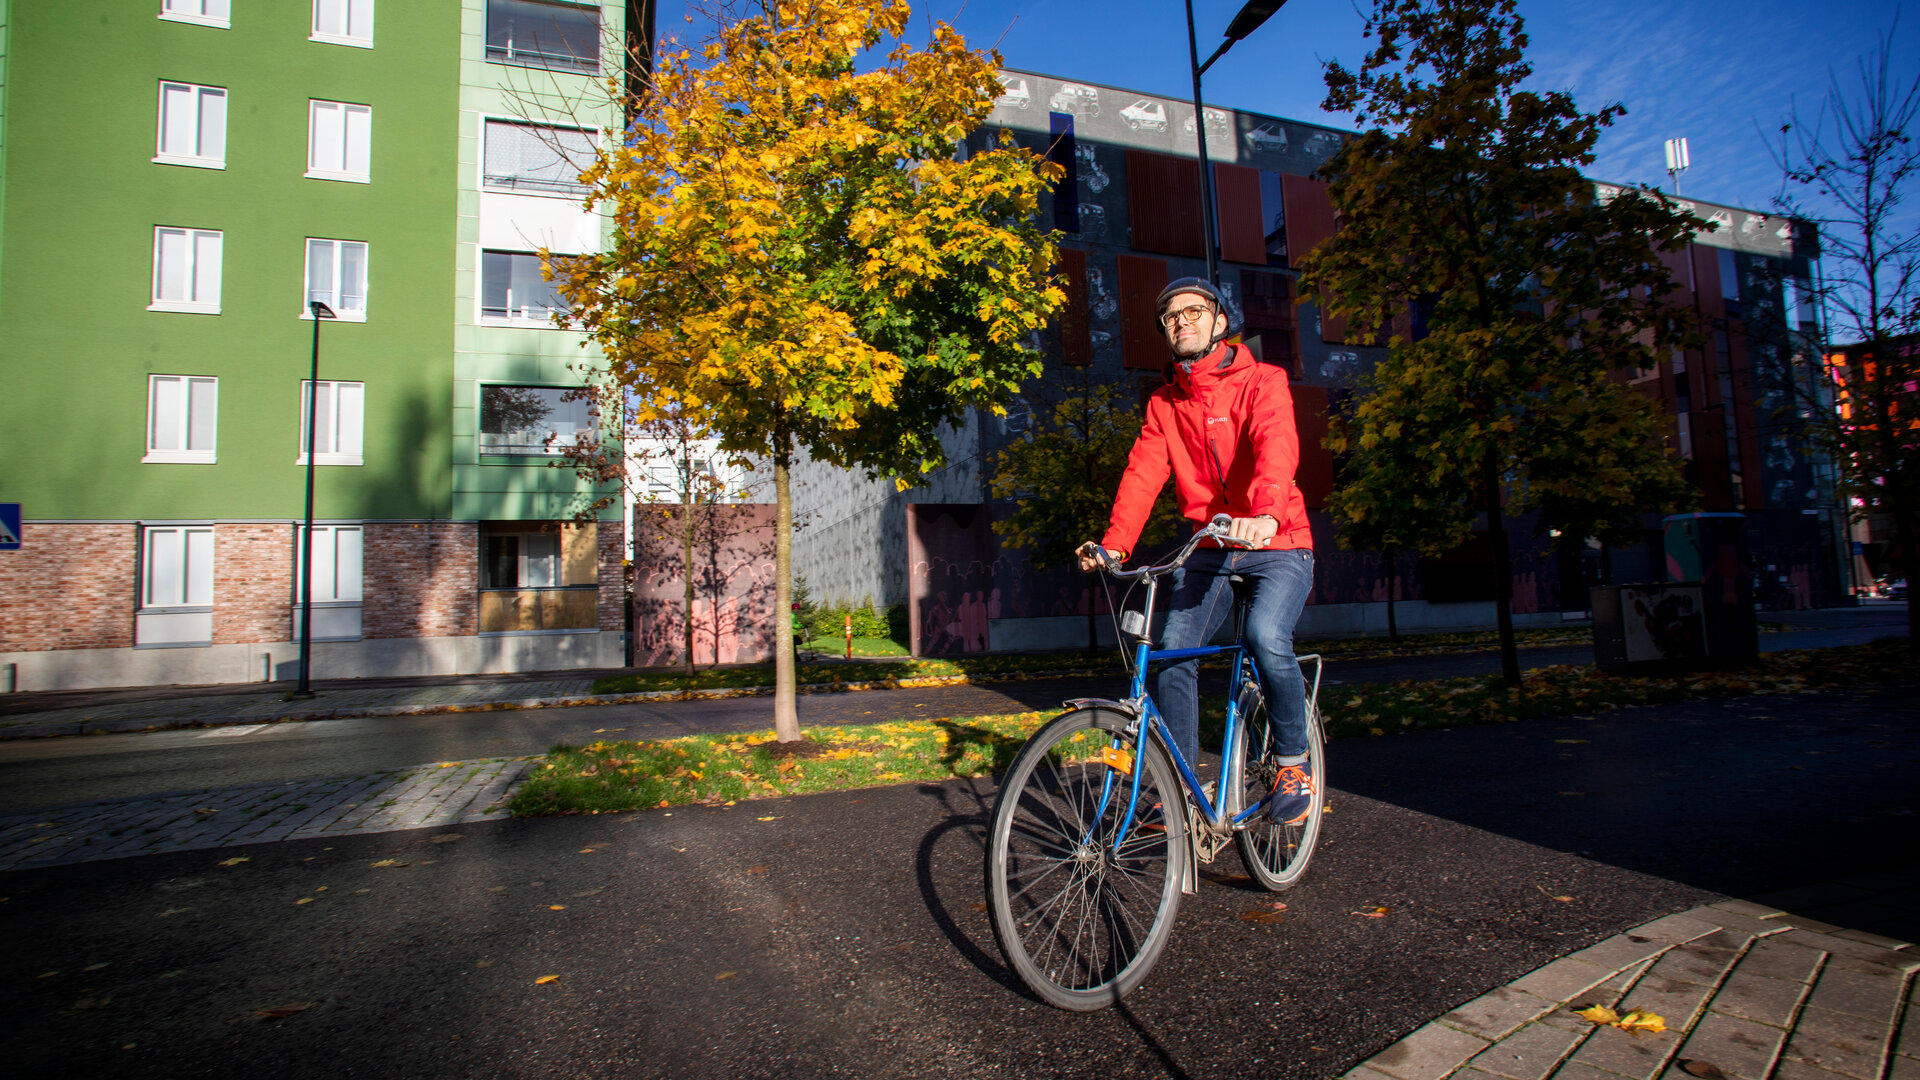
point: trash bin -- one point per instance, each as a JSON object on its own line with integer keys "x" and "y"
{"x": 1650, "y": 629}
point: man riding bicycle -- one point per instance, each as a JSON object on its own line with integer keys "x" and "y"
{"x": 1223, "y": 427}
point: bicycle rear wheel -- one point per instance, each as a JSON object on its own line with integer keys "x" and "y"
{"x": 1080, "y": 922}
{"x": 1275, "y": 854}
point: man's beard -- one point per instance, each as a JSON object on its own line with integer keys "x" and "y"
{"x": 1200, "y": 347}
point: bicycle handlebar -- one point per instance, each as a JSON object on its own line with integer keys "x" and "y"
{"x": 1217, "y": 529}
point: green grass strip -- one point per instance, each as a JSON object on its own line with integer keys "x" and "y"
{"x": 707, "y": 769}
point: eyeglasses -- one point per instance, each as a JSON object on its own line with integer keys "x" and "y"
{"x": 1189, "y": 315}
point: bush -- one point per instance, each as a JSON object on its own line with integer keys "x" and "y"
{"x": 868, "y": 621}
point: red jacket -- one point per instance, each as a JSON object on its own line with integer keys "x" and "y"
{"x": 1225, "y": 431}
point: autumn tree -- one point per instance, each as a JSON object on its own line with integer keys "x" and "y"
{"x": 1847, "y": 171}
{"x": 804, "y": 261}
{"x": 1465, "y": 196}
{"x": 1062, "y": 474}
{"x": 1387, "y": 498}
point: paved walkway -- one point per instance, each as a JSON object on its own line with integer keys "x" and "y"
{"x": 1746, "y": 991}
{"x": 426, "y": 796}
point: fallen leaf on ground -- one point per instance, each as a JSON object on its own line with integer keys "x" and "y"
{"x": 320, "y": 888}
{"x": 556, "y": 907}
{"x": 304, "y": 900}
{"x": 99, "y": 966}
{"x": 1374, "y": 912}
{"x": 774, "y": 817}
{"x": 977, "y": 906}
{"x": 756, "y": 869}
{"x": 1261, "y": 915}
{"x": 725, "y": 975}
{"x": 496, "y": 888}
{"x": 545, "y": 979}
{"x": 1705, "y": 1070}
{"x": 235, "y": 861}
{"x": 1598, "y": 1014}
{"x": 389, "y": 862}
{"x": 169, "y": 912}
{"x": 281, "y": 1012}
{"x": 483, "y": 963}
{"x": 48, "y": 974}
{"x": 586, "y": 851}
{"x": 1641, "y": 1020}
{"x": 1550, "y": 896}
{"x": 205, "y": 810}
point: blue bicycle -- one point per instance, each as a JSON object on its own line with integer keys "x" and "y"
{"x": 1101, "y": 825}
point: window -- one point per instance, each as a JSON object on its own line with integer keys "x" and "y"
{"x": 337, "y": 438}
{"x": 343, "y": 22}
{"x": 1730, "y": 283}
{"x": 528, "y": 560}
{"x": 339, "y": 141}
{"x": 336, "y": 586}
{"x": 531, "y": 419}
{"x": 176, "y": 586}
{"x": 204, "y": 12}
{"x": 511, "y": 289}
{"x": 536, "y": 158}
{"x": 181, "y": 415}
{"x": 337, "y": 277}
{"x": 186, "y": 270}
{"x": 193, "y": 126}
{"x": 538, "y": 33}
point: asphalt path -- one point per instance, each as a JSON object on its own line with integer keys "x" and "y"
{"x": 53, "y": 772}
{"x": 843, "y": 934}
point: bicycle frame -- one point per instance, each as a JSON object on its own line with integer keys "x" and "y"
{"x": 1147, "y": 716}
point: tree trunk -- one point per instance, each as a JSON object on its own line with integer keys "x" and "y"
{"x": 686, "y": 536}
{"x": 786, "y": 716}
{"x": 1502, "y": 570}
{"x": 1393, "y": 627}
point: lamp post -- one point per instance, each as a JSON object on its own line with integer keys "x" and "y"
{"x": 320, "y": 312}
{"x": 1246, "y": 22}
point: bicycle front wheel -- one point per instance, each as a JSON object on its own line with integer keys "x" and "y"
{"x": 1275, "y": 854}
{"x": 1080, "y": 919}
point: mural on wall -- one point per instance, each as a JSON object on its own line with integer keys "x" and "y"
{"x": 733, "y": 585}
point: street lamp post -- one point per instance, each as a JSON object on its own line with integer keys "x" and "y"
{"x": 1246, "y": 22}
{"x": 320, "y": 312}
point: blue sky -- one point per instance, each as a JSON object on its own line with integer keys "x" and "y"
{"x": 1708, "y": 70}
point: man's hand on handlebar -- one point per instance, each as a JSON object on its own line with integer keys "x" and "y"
{"x": 1090, "y": 557}
{"x": 1254, "y": 532}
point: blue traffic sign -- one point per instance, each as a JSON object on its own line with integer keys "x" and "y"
{"x": 9, "y": 526}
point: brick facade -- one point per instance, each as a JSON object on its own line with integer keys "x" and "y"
{"x": 422, "y": 579}
{"x": 613, "y": 593}
{"x": 70, "y": 586}
{"x": 252, "y": 583}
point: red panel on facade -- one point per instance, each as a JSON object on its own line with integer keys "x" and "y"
{"x": 1267, "y": 306}
{"x": 1237, "y": 194}
{"x": 1141, "y": 343}
{"x": 1706, "y": 278}
{"x": 1309, "y": 214}
{"x": 1710, "y": 461}
{"x": 1163, "y": 204}
{"x": 1075, "y": 346}
{"x": 1314, "y": 477}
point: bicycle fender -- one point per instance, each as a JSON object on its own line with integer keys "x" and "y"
{"x": 1127, "y": 707}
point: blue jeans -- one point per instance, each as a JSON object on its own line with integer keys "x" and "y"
{"x": 1202, "y": 600}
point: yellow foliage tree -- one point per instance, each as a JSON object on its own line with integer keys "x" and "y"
{"x": 806, "y": 260}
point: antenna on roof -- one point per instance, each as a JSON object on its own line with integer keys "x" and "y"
{"x": 1676, "y": 161}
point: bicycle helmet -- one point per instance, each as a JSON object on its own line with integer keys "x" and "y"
{"x": 1202, "y": 287}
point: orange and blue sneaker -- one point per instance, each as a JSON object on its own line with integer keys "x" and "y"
{"x": 1292, "y": 795}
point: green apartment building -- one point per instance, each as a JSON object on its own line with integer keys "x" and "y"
{"x": 181, "y": 181}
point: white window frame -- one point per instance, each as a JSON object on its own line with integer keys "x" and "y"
{"x": 175, "y": 608}
{"x": 525, "y": 450}
{"x": 513, "y": 316}
{"x": 199, "y": 12}
{"x": 200, "y": 245}
{"x": 344, "y": 404}
{"x": 162, "y": 155}
{"x": 333, "y": 296}
{"x": 339, "y": 580}
{"x": 355, "y": 124}
{"x": 186, "y": 453}
{"x": 352, "y": 8}
{"x": 571, "y": 191}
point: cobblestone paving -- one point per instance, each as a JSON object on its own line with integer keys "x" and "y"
{"x": 1747, "y": 992}
{"x": 423, "y": 796}
{"x": 270, "y": 706}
